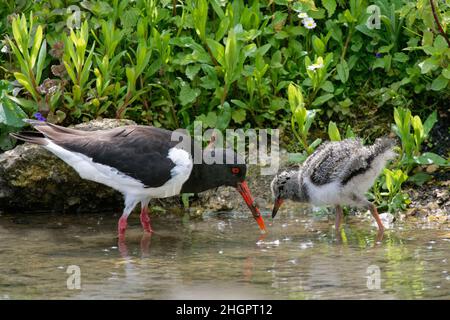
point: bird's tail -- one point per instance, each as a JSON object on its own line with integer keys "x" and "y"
{"x": 30, "y": 136}
{"x": 384, "y": 147}
{"x": 46, "y": 131}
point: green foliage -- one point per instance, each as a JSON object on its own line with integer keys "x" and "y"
{"x": 333, "y": 132}
{"x": 412, "y": 134}
{"x": 11, "y": 115}
{"x": 30, "y": 51}
{"x": 396, "y": 199}
{"x": 77, "y": 61}
{"x": 164, "y": 65}
{"x": 301, "y": 119}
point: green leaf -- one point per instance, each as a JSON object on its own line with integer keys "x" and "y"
{"x": 250, "y": 50}
{"x": 192, "y": 70}
{"x": 188, "y": 95}
{"x": 40, "y": 61}
{"x": 318, "y": 45}
{"x": 26, "y": 82}
{"x": 322, "y": 99}
{"x": 224, "y": 117}
{"x": 420, "y": 178}
{"x": 330, "y": 5}
{"x": 439, "y": 83}
{"x": 70, "y": 71}
{"x": 431, "y": 158}
{"x": 440, "y": 43}
{"x": 11, "y": 114}
{"x": 36, "y": 45}
{"x": 315, "y": 143}
{"x": 200, "y": 16}
{"x": 349, "y": 133}
{"x": 343, "y": 71}
{"x": 231, "y": 57}
{"x": 297, "y": 157}
{"x": 427, "y": 38}
{"x": 217, "y": 50}
{"x": 295, "y": 97}
{"x": 238, "y": 115}
{"x": 328, "y": 86}
{"x": 130, "y": 18}
{"x": 29, "y": 105}
{"x": 429, "y": 123}
{"x": 211, "y": 119}
{"x": 400, "y": 57}
{"x": 428, "y": 65}
{"x": 446, "y": 72}
{"x": 223, "y": 28}
{"x": 333, "y": 132}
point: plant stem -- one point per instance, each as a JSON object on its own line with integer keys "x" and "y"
{"x": 347, "y": 42}
{"x": 124, "y": 106}
{"x": 211, "y": 55}
{"x": 224, "y": 95}
{"x": 433, "y": 8}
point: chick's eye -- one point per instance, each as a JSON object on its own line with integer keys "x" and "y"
{"x": 235, "y": 170}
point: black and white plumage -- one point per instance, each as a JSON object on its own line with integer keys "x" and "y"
{"x": 141, "y": 162}
{"x": 337, "y": 173}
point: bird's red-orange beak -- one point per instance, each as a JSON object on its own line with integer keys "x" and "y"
{"x": 243, "y": 189}
{"x": 276, "y": 206}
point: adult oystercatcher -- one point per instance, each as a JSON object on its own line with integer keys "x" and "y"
{"x": 337, "y": 173}
{"x": 142, "y": 163}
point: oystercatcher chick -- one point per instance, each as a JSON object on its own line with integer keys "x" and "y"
{"x": 142, "y": 163}
{"x": 337, "y": 173}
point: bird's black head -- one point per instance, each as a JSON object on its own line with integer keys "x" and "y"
{"x": 219, "y": 167}
{"x": 222, "y": 167}
{"x": 284, "y": 186}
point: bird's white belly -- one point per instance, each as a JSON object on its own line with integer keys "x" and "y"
{"x": 130, "y": 187}
{"x": 327, "y": 194}
{"x": 361, "y": 183}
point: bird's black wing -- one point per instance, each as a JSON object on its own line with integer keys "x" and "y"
{"x": 138, "y": 151}
{"x": 328, "y": 162}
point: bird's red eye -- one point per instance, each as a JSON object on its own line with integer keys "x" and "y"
{"x": 235, "y": 170}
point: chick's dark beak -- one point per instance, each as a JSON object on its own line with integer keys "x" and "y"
{"x": 243, "y": 189}
{"x": 276, "y": 206}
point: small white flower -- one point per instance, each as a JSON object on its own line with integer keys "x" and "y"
{"x": 315, "y": 66}
{"x": 309, "y": 23}
{"x": 303, "y": 15}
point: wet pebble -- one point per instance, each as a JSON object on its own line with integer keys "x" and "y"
{"x": 306, "y": 245}
{"x": 221, "y": 226}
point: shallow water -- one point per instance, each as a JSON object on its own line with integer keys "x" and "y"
{"x": 221, "y": 256}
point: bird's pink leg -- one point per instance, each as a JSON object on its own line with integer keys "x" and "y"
{"x": 339, "y": 216}
{"x": 145, "y": 220}
{"x": 122, "y": 226}
{"x": 374, "y": 212}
